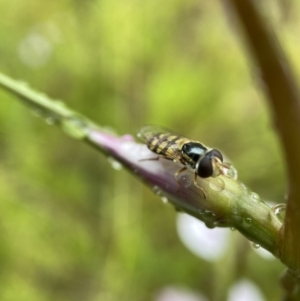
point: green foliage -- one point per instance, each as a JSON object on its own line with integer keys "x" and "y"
{"x": 71, "y": 227}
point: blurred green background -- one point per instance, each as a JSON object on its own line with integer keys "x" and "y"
{"x": 71, "y": 227}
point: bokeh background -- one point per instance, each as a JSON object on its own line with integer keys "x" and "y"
{"x": 74, "y": 228}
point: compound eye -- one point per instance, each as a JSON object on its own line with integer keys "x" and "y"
{"x": 205, "y": 168}
{"x": 216, "y": 153}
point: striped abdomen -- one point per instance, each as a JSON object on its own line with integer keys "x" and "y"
{"x": 166, "y": 144}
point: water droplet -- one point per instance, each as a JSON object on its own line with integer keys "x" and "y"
{"x": 279, "y": 211}
{"x": 208, "y": 213}
{"x": 164, "y": 199}
{"x": 75, "y": 127}
{"x": 232, "y": 229}
{"x": 185, "y": 181}
{"x": 39, "y": 113}
{"x": 230, "y": 171}
{"x": 216, "y": 184}
{"x": 244, "y": 186}
{"x": 210, "y": 225}
{"x": 209, "y": 218}
{"x": 220, "y": 223}
{"x": 213, "y": 214}
{"x": 254, "y": 197}
{"x": 234, "y": 211}
{"x": 114, "y": 163}
{"x": 255, "y": 245}
{"x": 204, "y": 212}
{"x": 156, "y": 190}
{"x": 48, "y": 116}
{"x": 51, "y": 120}
{"x": 177, "y": 209}
{"x": 247, "y": 221}
{"x": 139, "y": 135}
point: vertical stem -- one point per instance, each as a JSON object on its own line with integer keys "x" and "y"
{"x": 284, "y": 99}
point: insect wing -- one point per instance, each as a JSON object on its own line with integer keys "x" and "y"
{"x": 148, "y": 132}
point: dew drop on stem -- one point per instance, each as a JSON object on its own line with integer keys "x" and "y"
{"x": 254, "y": 197}
{"x": 255, "y": 245}
{"x": 75, "y": 127}
{"x": 230, "y": 171}
{"x": 164, "y": 199}
{"x": 247, "y": 221}
{"x": 46, "y": 115}
{"x": 210, "y": 225}
{"x": 114, "y": 163}
{"x": 51, "y": 120}
{"x": 279, "y": 211}
{"x": 217, "y": 184}
{"x": 244, "y": 186}
{"x": 185, "y": 181}
{"x": 156, "y": 190}
{"x": 38, "y": 113}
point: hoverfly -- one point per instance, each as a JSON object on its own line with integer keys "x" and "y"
{"x": 206, "y": 162}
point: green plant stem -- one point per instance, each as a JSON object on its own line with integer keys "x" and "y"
{"x": 284, "y": 99}
{"x": 54, "y": 112}
{"x": 228, "y": 202}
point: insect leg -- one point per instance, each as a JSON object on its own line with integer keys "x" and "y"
{"x": 196, "y": 184}
{"x": 157, "y": 158}
{"x": 176, "y": 175}
{"x": 150, "y": 159}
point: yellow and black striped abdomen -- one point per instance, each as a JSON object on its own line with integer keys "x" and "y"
{"x": 161, "y": 142}
{"x": 165, "y": 144}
